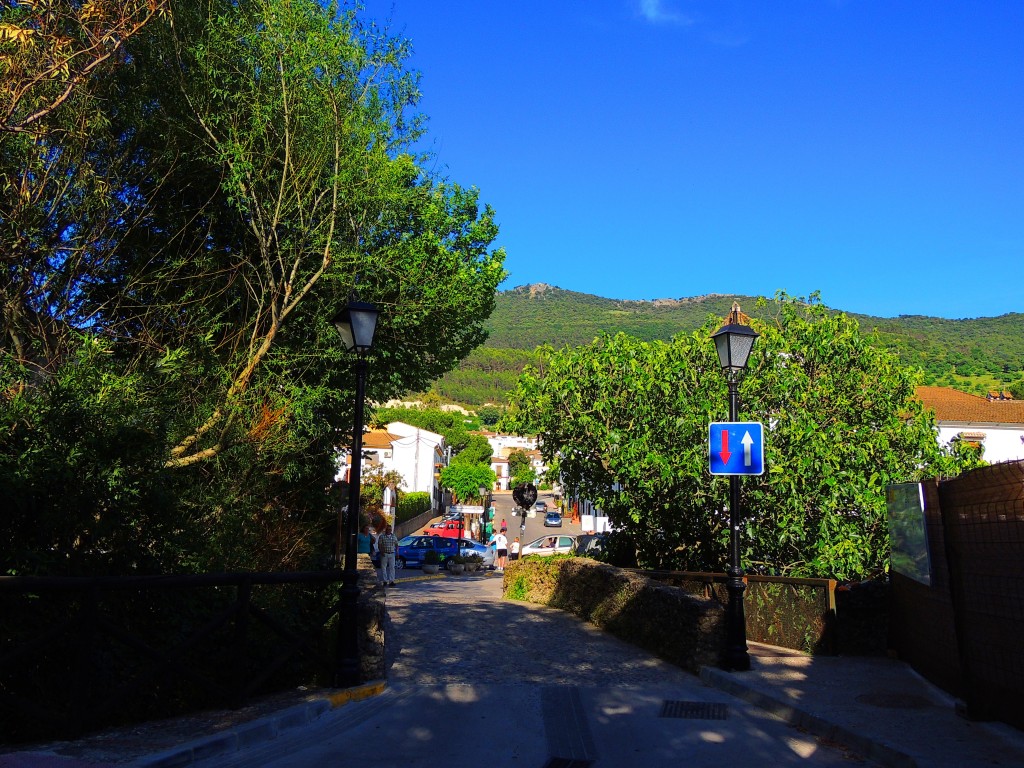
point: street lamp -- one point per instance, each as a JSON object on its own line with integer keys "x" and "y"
{"x": 483, "y": 508}
{"x": 356, "y": 325}
{"x": 734, "y": 340}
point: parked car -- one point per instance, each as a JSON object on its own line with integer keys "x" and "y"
{"x": 553, "y": 520}
{"x": 548, "y": 545}
{"x": 412, "y": 548}
{"x": 470, "y": 547}
{"x": 450, "y": 528}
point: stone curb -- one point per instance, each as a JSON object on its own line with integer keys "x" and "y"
{"x": 784, "y": 710}
{"x": 257, "y": 731}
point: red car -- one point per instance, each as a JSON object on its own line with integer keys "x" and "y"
{"x": 450, "y": 528}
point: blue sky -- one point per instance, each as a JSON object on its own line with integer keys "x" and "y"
{"x": 642, "y": 149}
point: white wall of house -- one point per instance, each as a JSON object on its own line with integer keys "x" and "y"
{"x": 501, "y": 472}
{"x": 501, "y": 444}
{"x": 416, "y": 455}
{"x": 1003, "y": 442}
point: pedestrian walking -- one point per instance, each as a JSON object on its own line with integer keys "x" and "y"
{"x": 364, "y": 542}
{"x": 387, "y": 545}
{"x": 501, "y": 547}
{"x": 504, "y": 525}
{"x": 513, "y": 550}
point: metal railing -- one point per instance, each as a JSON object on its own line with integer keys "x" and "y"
{"x": 79, "y": 653}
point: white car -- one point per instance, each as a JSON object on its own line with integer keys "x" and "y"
{"x": 549, "y": 545}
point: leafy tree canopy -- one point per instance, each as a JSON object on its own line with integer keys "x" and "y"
{"x": 625, "y": 423}
{"x": 477, "y": 451}
{"x": 466, "y": 479}
{"x": 186, "y": 205}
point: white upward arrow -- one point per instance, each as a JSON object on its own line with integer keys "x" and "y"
{"x": 747, "y": 442}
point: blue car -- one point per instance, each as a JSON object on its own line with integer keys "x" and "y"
{"x": 553, "y": 520}
{"x": 412, "y": 548}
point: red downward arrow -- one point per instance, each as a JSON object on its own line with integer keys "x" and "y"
{"x": 724, "y": 453}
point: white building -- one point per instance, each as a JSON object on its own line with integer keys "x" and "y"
{"x": 995, "y": 422}
{"x": 502, "y": 446}
{"x": 416, "y": 454}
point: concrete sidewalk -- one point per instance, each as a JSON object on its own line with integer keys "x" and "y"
{"x": 879, "y": 708}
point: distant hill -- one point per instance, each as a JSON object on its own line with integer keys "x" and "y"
{"x": 531, "y": 315}
{"x": 975, "y": 355}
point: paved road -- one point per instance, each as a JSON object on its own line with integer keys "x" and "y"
{"x": 476, "y": 680}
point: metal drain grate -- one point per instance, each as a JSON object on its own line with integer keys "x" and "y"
{"x": 565, "y": 762}
{"x": 694, "y": 710}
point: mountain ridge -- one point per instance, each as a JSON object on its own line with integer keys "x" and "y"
{"x": 972, "y": 354}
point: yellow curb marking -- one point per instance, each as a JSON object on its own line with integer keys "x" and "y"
{"x": 358, "y": 693}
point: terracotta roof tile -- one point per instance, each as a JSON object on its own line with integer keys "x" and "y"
{"x": 953, "y": 405}
{"x": 379, "y": 438}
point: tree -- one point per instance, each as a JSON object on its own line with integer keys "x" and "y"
{"x": 625, "y": 422}
{"x": 50, "y": 51}
{"x": 477, "y": 451}
{"x": 374, "y": 481}
{"x": 198, "y": 208}
{"x": 467, "y": 479}
{"x": 488, "y": 414}
{"x": 520, "y": 467}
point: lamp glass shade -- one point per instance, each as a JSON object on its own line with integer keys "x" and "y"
{"x": 356, "y": 325}
{"x": 734, "y": 342}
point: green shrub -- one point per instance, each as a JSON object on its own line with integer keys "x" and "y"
{"x": 412, "y": 504}
{"x": 431, "y": 557}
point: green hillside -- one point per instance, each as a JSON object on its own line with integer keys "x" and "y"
{"x": 531, "y": 315}
{"x": 976, "y": 355}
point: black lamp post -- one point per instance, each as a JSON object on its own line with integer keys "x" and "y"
{"x": 483, "y": 508}
{"x": 734, "y": 340}
{"x": 356, "y": 325}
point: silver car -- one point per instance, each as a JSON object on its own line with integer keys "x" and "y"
{"x": 470, "y": 547}
{"x": 549, "y": 545}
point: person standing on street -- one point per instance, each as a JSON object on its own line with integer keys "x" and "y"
{"x": 501, "y": 547}
{"x": 387, "y": 545}
{"x": 513, "y": 550}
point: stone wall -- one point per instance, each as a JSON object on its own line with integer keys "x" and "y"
{"x": 371, "y": 622}
{"x": 685, "y": 630}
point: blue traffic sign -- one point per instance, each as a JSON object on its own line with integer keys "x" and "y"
{"x": 736, "y": 447}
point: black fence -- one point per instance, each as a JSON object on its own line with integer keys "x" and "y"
{"x": 81, "y": 653}
{"x": 963, "y": 630}
{"x": 779, "y": 610}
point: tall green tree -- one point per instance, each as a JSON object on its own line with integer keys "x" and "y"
{"x": 520, "y": 467}
{"x": 477, "y": 451}
{"x": 625, "y": 423}
{"x": 467, "y": 479}
{"x": 202, "y": 203}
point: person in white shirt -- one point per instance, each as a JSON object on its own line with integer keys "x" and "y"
{"x": 513, "y": 550}
{"x": 501, "y": 545}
